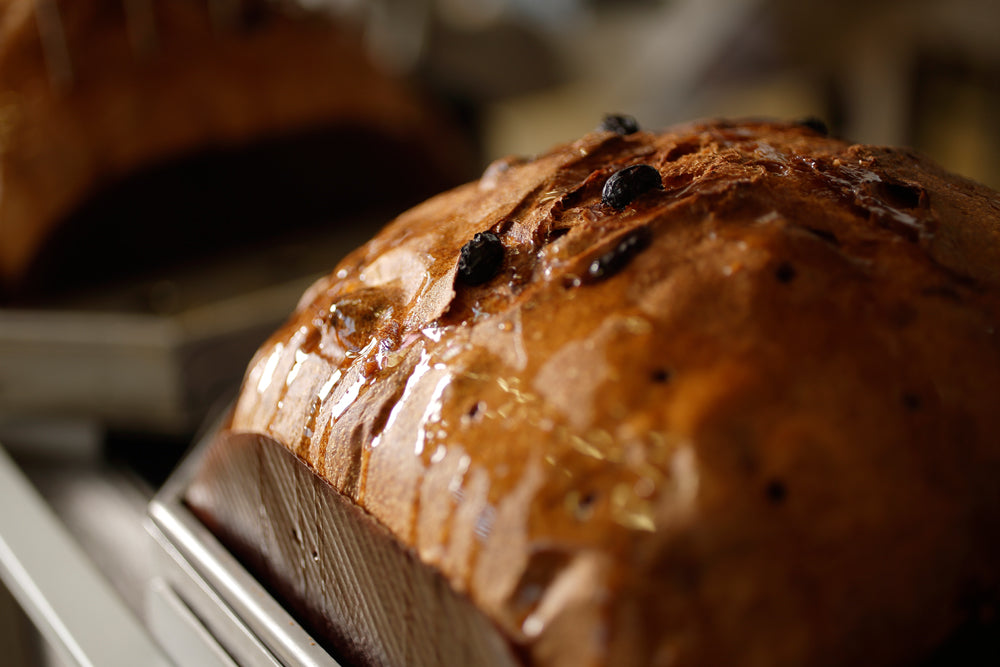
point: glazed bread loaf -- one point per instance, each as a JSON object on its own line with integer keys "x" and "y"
{"x": 96, "y": 92}
{"x": 727, "y": 394}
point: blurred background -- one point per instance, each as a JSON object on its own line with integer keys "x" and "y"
{"x": 922, "y": 73}
{"x": 174, "y": 173}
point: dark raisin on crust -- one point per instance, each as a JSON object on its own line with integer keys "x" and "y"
{"x": 626, "y": 185}
{"x": 824, "y": 234}
{"x": 619, "y": 256}
{"x": 776, "y": 491}
{"x": 480, "y": 258}
{"x": 911, "y": 402}
{"x": 785, "y": 273}
{"x": 619, "y": 124}
{"x": 660, "y": 375}
{"x": 815, "y": 124}
{"x": 898, "y": 194}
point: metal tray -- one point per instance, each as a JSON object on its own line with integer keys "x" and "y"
{"x": 154, "y": 353}
{"x": 231, "y": 605}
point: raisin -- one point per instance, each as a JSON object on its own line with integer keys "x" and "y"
{"x": 785, "y": 273}
{"x": 480, "y": 258}
{"x": 824, "y": 234}
{"x": 618, "y": 257}
{"x": 625, "y": 185}
{"x": 911, "y": 402}
{"x": 899, "y": 195}
{"x": 660, "y": 375}
{"x": 776, "y": 491}
{"x": 814, "y": 124}
{"x": 619, "y": 124}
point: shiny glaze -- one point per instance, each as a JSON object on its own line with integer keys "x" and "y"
{"x": 540, "y": 436}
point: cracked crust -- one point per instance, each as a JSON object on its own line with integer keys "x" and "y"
{"x": 767, "y": 438}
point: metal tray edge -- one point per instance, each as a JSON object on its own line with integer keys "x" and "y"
{"x": 231, "y": 594}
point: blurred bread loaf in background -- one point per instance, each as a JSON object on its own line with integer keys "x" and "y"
{"x": 136, "y": 133}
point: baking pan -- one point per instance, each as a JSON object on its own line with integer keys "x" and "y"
{"x": 280, "y": 566}
{"x": 238, "y": 612}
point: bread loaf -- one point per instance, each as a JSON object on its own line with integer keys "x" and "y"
{"x": 722, "y": 395}
{"x": 131, "y": 130}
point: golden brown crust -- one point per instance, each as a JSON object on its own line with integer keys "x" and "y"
{"x": 748, "y": 419}
{"x": 92, "y": 90}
